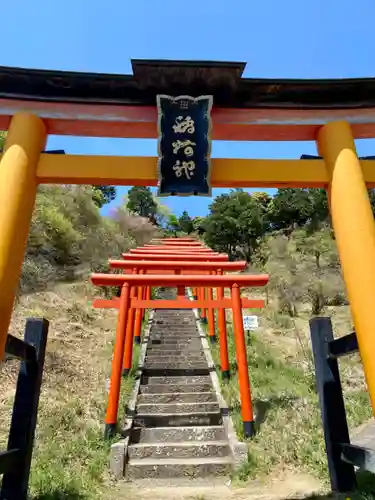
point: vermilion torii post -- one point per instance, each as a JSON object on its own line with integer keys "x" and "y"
{"x": 234, "y": 282}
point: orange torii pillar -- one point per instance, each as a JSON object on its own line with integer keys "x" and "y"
{"x": 235, "y": 282}
{"x": 223, "y": 340}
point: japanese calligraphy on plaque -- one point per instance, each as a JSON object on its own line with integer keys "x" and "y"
{"x": 184, "y": 145}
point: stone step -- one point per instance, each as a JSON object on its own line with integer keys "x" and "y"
{"x": 181, "y": 336}
{"x": 181, "y": 449}
{"x": 154, "y": 371}
{"x": 198, "y": 379}
{"x": 172, "y": 365}
{"x": 159, "y": 351}
{"x": 177, "y": 434}
{"x": 138, "y": 468}
{"x": 174, "y": 326}
{"x": 171, "y": 359}
{"x": 177, "y": 335}
{"x": 175, "y": 344}
{"x": 176, "y": 388}
{"x": 177, "y": 419}
{"x": 174, "y": 331}
{"x": 175, "y": 397}
{"x": 174, "y": 407}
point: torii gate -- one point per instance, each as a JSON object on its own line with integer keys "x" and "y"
{"x": 331, "y": 112}
{"x": 148, "y": 254}
{"x": 125, "y": 342}
{"x": 161, "y": 267}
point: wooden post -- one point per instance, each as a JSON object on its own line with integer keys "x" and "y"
{"x": 332, "y": 405}
{"x": 18, "y": 183}
{"x": 223, "y": 341}
{"x": 243, "y": 369}
{"x": 114, "y": 390}
{"x": 25, "y": 411}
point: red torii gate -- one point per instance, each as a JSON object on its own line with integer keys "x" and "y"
{"x": 176, "y": 257}
{"x": 234, "y": 282}
{"x": 182, "y": 268}
{"x": 178, "y": 249}
{"x": 184, "y": 257}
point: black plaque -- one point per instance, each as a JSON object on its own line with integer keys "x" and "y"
{"x": 184, "y": 145}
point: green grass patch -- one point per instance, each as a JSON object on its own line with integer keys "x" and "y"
{"x": 71, "y": 457}
{"x": 289, "y": 433}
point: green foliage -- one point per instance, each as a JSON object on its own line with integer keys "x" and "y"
{"x": 173, "y": 224}
{"x": 291, "y": 208}
{"x": 198, "y": 225}
{"x": 104, "y": 195}
{"x": 2, "y": 139}
{"x": 235, "y": 224}
{"x": 142, "y": 203}
{"x": 68, "y": 234}
{"x": 186, "y": 223}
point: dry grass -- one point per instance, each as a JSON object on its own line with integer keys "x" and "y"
{"x": 70, "y": 456}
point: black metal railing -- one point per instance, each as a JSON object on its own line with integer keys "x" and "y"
{"x": 342, "y": 456}
{"x": 16, "y": 460}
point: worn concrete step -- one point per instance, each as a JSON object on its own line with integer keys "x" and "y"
{"x": 149, "y": 371}
{"x": 177, "y": 434}
{"x": 176, "y": 388}
{"x": 178, "y": 336}
{"x": 182, "y": 449}
{"x": 175, "y": 344}
{"x": 177, "y": 331}
{"x": 198, "y": 379}
{"x": 177, "y": 419}
{"x": 138, "y": 468}
{"x": 174, "y": 325}
{"x": 177, "y": 407}
{"x": 182, "y": 363}
{"x": 159, "y": 351}
{"x": 183, "y": 397}
{"x": 160, "y": 358}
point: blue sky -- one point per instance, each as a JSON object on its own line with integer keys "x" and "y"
{"x": 288, "y": 39}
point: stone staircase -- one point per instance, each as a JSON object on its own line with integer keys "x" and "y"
{"x": 177, "y": 429}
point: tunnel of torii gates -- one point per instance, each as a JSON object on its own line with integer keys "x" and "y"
{"x": 333, "y": 113}
{"x": 202, "y": 277}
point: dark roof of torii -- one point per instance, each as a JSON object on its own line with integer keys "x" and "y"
{"x": 223, "y": 80}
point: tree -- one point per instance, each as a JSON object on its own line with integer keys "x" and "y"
{"x": 186, "y": 223}
{"x": 290, "y": 208}
{"x": 103, "y": 195}
{"x": 198, "y": 225}
{"x": 235, "y": 223}
{"x": 163, "y": 213}
{"x": 2, "y": 139}
{"x": 173, "y": 224}
{"x": 142, "y": 203}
